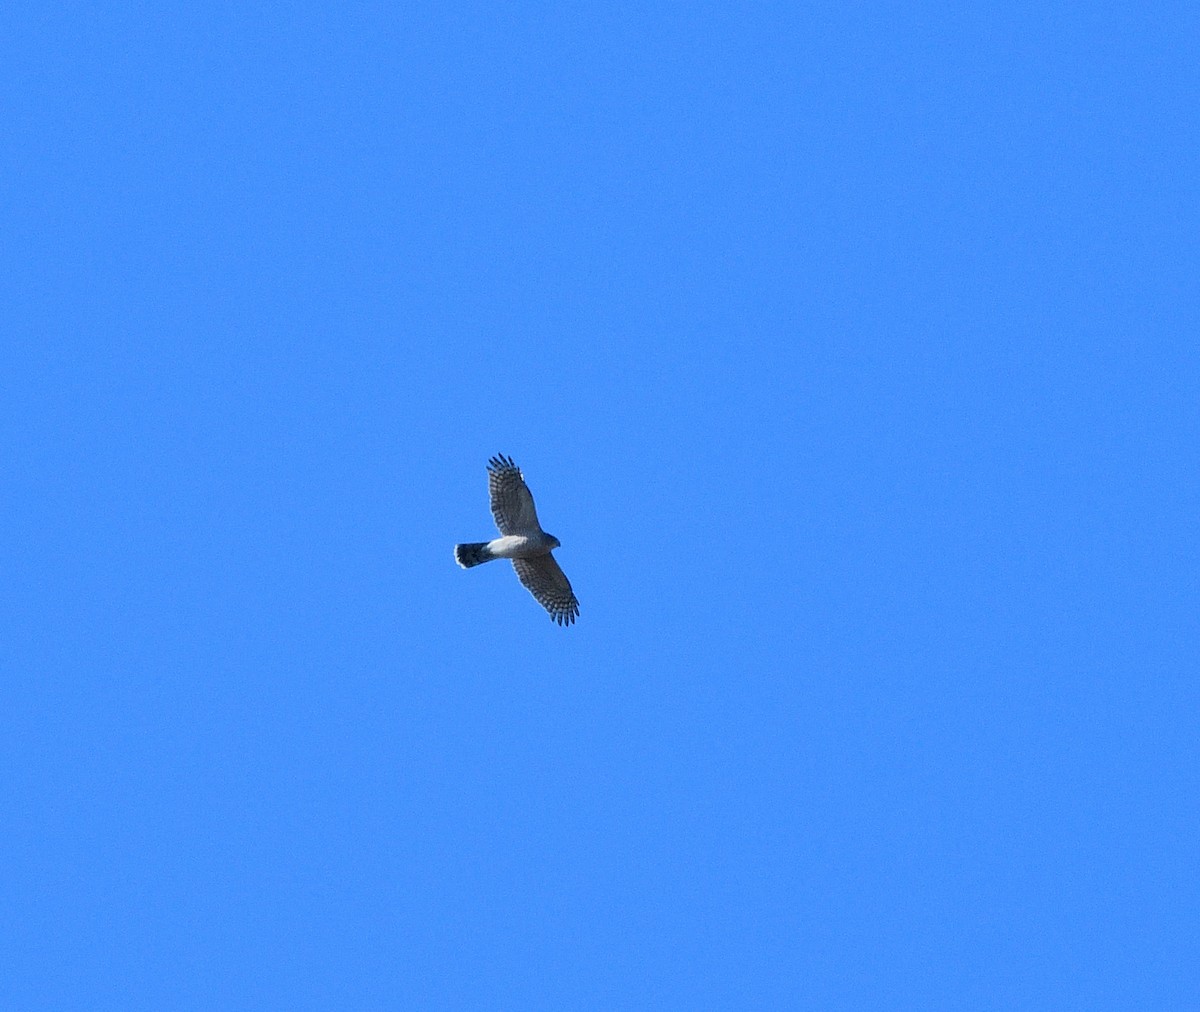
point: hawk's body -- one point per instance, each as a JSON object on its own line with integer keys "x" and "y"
{"x": 523, "y": 541}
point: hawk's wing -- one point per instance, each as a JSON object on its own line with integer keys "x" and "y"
{"x": 512, "y": 503}
{"x": 544, "y": 579}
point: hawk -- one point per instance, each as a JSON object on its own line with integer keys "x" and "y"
{"x": 523, "y": 541}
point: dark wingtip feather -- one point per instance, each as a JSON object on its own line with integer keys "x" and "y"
{"x": 500, "y": 462}
{"x": 566, "y": 617}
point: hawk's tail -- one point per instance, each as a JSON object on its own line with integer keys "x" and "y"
{"x": 472, "y": 554}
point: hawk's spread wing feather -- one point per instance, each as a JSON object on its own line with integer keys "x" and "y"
{"x": 512, "y": 503}
{"x": 546, "y": 581}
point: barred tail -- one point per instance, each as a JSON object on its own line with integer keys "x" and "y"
{"x": 472, "y": 554}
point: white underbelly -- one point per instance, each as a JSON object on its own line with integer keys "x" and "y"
{"x": 516, "y": 546}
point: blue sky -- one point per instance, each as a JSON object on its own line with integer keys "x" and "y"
{"x": 852, "y": 356}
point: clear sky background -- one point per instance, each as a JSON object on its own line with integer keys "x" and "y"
{"x": 852, "y": 355}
